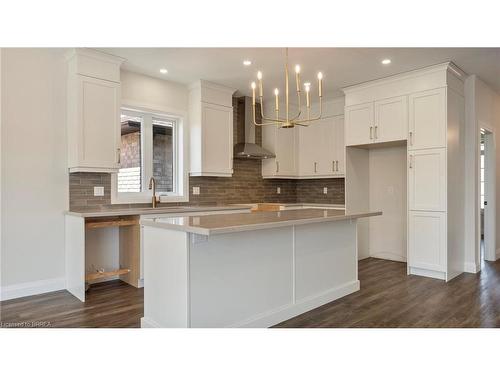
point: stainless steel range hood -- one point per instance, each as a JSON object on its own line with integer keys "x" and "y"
{"x": 249, "y": 149}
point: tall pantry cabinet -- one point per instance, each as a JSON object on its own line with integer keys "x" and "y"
{"x": 424, "y": 117}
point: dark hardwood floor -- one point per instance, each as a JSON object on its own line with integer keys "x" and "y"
{"x": 109, "y": 304}
{"x": 388, "y": 298}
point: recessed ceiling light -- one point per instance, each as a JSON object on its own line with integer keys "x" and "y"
{"x": 247, "y": 62}
{"x": 163, "y": 71}
{"x": 386, "y": 61}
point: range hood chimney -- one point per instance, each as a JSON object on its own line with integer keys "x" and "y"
{"x": 249, "y": 149}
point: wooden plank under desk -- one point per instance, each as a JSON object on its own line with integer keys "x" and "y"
{"x": 104, "y": 222}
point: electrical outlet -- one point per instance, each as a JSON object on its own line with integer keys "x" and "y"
{"x": 278, "y": 190}
{"x": 196, "y": 190}
{"x": 98, "y": 191}
{"x": 325, "y": 190}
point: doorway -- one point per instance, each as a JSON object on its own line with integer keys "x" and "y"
{"x": 487, "y": 202}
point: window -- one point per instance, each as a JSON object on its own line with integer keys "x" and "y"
{"x": 151, "y": 146}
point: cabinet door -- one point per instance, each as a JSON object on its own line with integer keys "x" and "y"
{"x": 359, "y": 124}
{"x": 427, "y": 240}
{"x": 339, "y": 145}
{"x": 427, "y": 180}
{"x": 285, "y": 152}
{"x": 217, "y": 132}
{"x": 427, "y": 119}
{"x": 308, "y": 149}
{"x": 99, "y": 123}
{"x": 391, "y": 119}
{"x": 325, "y": 146}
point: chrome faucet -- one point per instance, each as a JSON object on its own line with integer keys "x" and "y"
{"x": 152, "y": 185}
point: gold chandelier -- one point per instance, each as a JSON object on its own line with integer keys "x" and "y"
{"x": 288, "y": 121}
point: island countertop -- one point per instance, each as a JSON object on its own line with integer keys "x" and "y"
{"x": 239, "y": 222}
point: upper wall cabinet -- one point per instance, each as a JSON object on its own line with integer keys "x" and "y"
{"x": 93, "y": 116}
{"x": 427, "y": 119}
{"x": 391, "y": 119}
{"x": 321, "y": 149}
{"x": 283, "y": 142}
{"x": 359, "y": 124}
{"x": 376, "y": 122}
{"x": 211, "y": 130}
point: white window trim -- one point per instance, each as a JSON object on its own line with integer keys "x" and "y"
{"x": 182, "y": 166}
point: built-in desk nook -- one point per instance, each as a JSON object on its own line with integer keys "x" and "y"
{"x": 100, "y": 249}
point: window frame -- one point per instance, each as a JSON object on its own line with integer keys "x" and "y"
{"x": 180, "y": 157}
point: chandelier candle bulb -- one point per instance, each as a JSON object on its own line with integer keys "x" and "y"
{"x": 259, "y": 77}
{"x": 308, "y": 98}
{"x": 277, "y": 104}
{"x": 297, "y": 76}
{"x": 253, "y": 93}
{"x": 320, "y": 84}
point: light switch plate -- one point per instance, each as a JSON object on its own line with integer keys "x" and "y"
{"x": 278, "y": 190}
{"x": 196, "y": 190}
{"x": 98, "y": 191}
{"x": 325, "y": 190}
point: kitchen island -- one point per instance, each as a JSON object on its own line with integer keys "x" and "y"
{"x": 247, "y": 269}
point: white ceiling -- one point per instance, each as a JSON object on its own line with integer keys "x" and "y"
{"x": 341, "y": 66}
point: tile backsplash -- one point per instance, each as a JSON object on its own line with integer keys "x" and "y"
{"x": 246, "y": 186}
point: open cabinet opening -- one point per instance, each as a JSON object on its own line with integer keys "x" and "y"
{"x": 377, "y": 181}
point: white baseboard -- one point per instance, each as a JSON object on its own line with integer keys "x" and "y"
{"x": 427, "y": 273}
{"x": 31, "y": 288}
{"x": 471, "y": 267}
{"x": 280, "y": 315}
{"x": 140, "y": 283}
{"x": 149, "y": 323}
{"x": 388, "y": 256}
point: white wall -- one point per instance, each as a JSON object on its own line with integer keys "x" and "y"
{"x": 387, "y": 193}
{"x": 34, "y": 179}
{"x": 142, "y": 91}
{"x": 482, "y": 109}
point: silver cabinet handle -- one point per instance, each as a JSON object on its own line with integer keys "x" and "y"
{"x": 119, "y": 152}
{"x": 333, "y": 166}
{"x": 315, "y": 167}
{"x": 277, "y": 166}
{"x": 411, "y": 138}
{"x": 371, "y": 132}
{"x": 337, "y": 165}
{"x": 376, "y": 135}
{"x": 411, "y": 161}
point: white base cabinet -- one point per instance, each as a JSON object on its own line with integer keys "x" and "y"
{"x": 427, "y": 236}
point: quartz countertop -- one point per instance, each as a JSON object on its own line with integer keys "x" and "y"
{"x": 238, "y": 222}
{"x": 110, "y": 211}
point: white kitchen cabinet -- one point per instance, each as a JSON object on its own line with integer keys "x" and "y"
{"x": 391, "y": 119}
{"x": 339, "y": 146}
{"x": 380, "y": 121}
{"x": 427, "y": 119}
{"x": 427, "y": 241}
{"x": 427, "y": 179}
{"x": 359, "y": 120}
{"x": 282, "y": 142}
{"x": 321, "y": 148}
{"x": 211, "y": 130}
{"x": 93, "y": 112}
{"x": 432, "y": 101}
